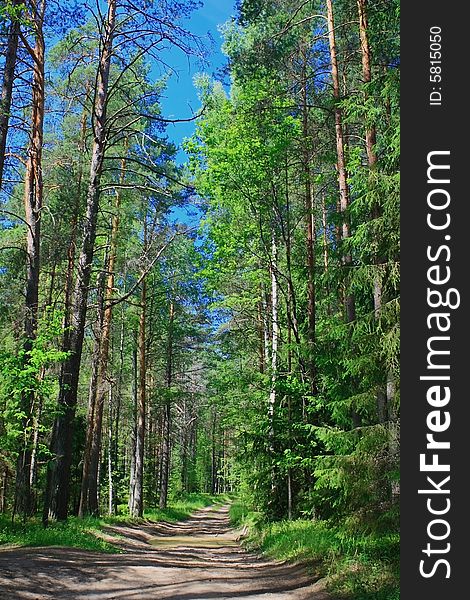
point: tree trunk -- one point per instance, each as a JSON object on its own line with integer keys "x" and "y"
{"x": 117, "y": 416}
{"x": 110, "y": 453}
{"x": 274, "y": 357}
{"x": 344, "y": 200}
{"x": 386, "y": 393}
{"x": 367, "y": 77}
{"x": 58, "y": 484}
{"x": 92, "y": 393}
{"x": 3, "y": 491}
{"x": 371, "y": 138}
{"x": 7, "y": 85}
{"x": 340, "y": 153}
{"x": 132, "y": 478}
{"x": 72, "y": 246}
{"x": 310, "y": 232}
{"x": 214, "y": 453}
{"x": 261, "y": 328}
{"x": 166, "y": 450}
{"x": 137, "y": 508}
{"x": 33, "y": 199}
{"x": 382, "y": 408}
{"x": 90, "y": 483}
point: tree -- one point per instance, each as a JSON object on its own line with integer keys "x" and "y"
{"x": 15, "y": 9}
{"x": 124, "y": 22}
{"x": 33, "y": 202}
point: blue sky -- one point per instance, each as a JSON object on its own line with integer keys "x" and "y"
{"x": 180, "y": 99}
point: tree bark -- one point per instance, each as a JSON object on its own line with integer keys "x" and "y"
{"x": 344, "y": 232}
{"x": 340, "y": 152}
{"x": 110, "y": 453}
{"x": 344, "y": 199}
{"x": 274, "y": 359}
{"x": 72, "y": 246}
{"x": 57, "y": 492}
{"x": 132, "y": 478}
{"x": 214, "y": 488}
{"x": 137, "y": 508}
{"x": 3, "y": 491}
{"x": 7, "y": 85}
{"x": 371, "y": 138}
{"x": 89, "y": 495}
{"x": 166, "y": 450}
{"x": 33, "y": 200}
{"x": 92, "y": 394}
{"x": 371, "y": 134}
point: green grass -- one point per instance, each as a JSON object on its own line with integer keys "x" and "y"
{"x": 75, "y": 533}
{"x": 240, "y": 515}
{"x": 85, "y": 533}
{"x": 357, "y": 566}
{"x": 181, "y": 508}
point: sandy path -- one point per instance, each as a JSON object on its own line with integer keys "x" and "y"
{"x": 198, "y": 559}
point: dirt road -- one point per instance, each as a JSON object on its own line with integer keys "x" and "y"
{"x": 198, "y": 559}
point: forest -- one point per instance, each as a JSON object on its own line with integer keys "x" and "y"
{"x": 226, "y": 324}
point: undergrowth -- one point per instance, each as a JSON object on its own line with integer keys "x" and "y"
{"x": 358, "y": 566}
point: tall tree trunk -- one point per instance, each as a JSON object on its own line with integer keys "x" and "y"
{"x": 110, "y": 453}
{"x": 326, "y": 261}
{"x": 214, "y": 452}
{"x": 58, "y": 484}
{"x": 117, "y": 416}
{"x": 92, "y": 394}
{"x": 89, "y": 494}
{"x": 3, "y": 490}
{"x": 132, "y": 477}
{"x": 274, "y": 360}
{"x": 72, "y": 245}
{"x": 261, "y": 328}
{"x": 371, "y": 138}
{"x": 344, "y": 199}
{"x": 310, "y": 231}
{"x": 166, "y": 450}
{"x": 137, "y": 508}
{"x": 371, "y": 134}
{"x": 7, "y": 84}
{"x": 33, "y": 199}
{"x": 386, "y": 392}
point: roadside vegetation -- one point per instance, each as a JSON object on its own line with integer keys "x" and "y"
{"x": 358, "y": 566}
{"x": 85, "y": 533}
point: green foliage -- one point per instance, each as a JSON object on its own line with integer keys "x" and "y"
{"x": 10, "y": 11}
{"x": 75, "y": 533}
{"x": 26, "y": 373}
{"x": 357, "y": 566}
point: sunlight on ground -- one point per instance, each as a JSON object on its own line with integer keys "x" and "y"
{"x": 193, "y": 541}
